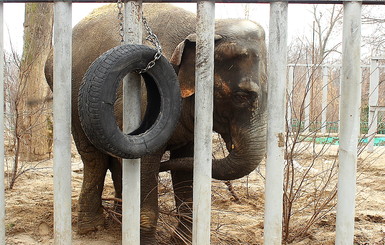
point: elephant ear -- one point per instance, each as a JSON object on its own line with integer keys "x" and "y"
{"x": 183, "y": 59}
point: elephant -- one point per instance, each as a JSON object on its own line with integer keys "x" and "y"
{"x": 239, "y": 116}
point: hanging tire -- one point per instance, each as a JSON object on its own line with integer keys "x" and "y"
{"x": 97, "y": 96}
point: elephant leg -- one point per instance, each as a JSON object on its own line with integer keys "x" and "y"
{"x": 90, "y": 215}
{"x": 149, "y": 199}
{"x": 183, "y": 191}
{"x": 116, "y": 173}
{"x": 149, "y": 195}
{"x": 183, "y": 194}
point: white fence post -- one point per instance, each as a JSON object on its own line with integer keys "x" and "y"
{"x": 131, "y": 120}
{"x": 2, "y": 194}
{"x": 373, "y": 102}
{"x": 350, "y": 121}
{"x": 308, "y": 89}
{"x": 340, "y": 101}
{"x": 290, "y": 98}
{"x": 204, "y": 77}
{"x": 325, "y": 78}
{"x": 276, "y": 122}
{"x": 62, "y": 121}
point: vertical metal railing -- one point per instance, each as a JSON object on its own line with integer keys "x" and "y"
{"x": 277, "y": 65}
{"x": 62, "y": 121}
{"x": 131, "y": 120}
{"x": 308, "y": 88}
{"x": 290, "y": 97}
{"x": 350, "y": 121}
{"x": 339, "y": 100}
{"x": 203, "y": 122}
{"x": 2, "y": 187}
{"x": 373, "y": 102}
{"x": 325, "y": 81}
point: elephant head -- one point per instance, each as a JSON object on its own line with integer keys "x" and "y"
{"x": 240, "y": 95}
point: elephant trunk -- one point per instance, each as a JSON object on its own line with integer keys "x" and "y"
{"x": 249, "y": 146}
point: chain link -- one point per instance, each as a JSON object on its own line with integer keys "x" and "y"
{"x": 121, "y": 20}
{"x": 151, "y": 37}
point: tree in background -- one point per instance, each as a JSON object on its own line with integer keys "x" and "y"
{"x": 375, "y": 20}
{"x": 34, "y": 124}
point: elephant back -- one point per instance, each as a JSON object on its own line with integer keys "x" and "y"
{"x": 99, "y": 32}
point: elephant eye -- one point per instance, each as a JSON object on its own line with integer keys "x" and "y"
{"x": 242, "y": 98}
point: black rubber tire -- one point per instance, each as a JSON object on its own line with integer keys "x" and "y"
{"x": 97, "y": 96}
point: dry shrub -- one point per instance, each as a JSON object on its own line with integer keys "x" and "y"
{"x": 311, "y": 164}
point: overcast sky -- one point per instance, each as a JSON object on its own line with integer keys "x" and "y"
{"x": 14, "y": 19}
{"x": 299, "y": 17}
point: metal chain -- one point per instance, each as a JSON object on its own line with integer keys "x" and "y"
{"x": 151, "y": 37}
{"x": 121, "y": 20}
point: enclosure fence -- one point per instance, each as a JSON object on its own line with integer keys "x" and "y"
{"x": 318, "y": 86}
{"x": 373, "y": 105}
{"x": 277, "y": 67}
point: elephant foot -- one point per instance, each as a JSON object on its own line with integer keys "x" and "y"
{"x": 148, "y": 223}
{"x": 147, "y": 237}
{"x": 148, "y": 241}
{"x": 88, "y": 223}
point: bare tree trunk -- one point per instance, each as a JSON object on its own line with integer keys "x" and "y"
{"x": 35, "y": 124}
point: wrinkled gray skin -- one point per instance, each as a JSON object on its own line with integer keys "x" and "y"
{"x": 239, "y": 109}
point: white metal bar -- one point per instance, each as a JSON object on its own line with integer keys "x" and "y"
{"x": 374, "y": 82}
{"x": 276, "y": 123}
{"x": 2, "y": 195}
{"x": 131, "y": 120}
{"x": 62, "y": 121}
{"x": 350, "y": 121}
{"x": 340, "y": 101}
{"x": 290, "y": 97}
{"x": 373, "y": 101}
{"x": 331, "y": 65}
{"x": 204, "y": 76}
{"x": 307, "y": 100}
{"x": 325, "y": 78}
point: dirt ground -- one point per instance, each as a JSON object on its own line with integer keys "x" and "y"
{"x": 237, "y": 216}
